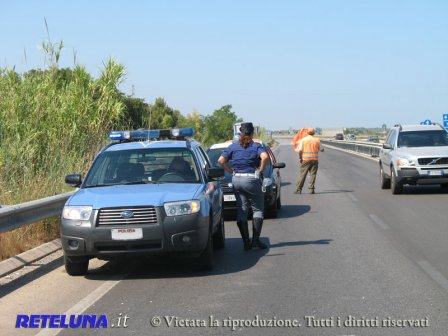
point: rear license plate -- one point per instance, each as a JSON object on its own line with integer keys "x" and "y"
{"x": 435, "y": 172}
{"x": 229, "y": 198}
{"x": 127, "y": 234}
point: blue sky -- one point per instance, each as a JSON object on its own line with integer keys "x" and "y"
{"x": 280, "y": 64}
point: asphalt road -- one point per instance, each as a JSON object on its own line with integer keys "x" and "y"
{"x": 351, "y": 259}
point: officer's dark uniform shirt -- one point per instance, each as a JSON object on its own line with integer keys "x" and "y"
{"x": 244, "y": 160}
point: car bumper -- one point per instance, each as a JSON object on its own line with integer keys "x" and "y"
{"x": 178, "y": 234}
{"x": 423, "y": 176}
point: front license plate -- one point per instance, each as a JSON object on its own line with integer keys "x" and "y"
{"x": 435, "y": 172}
{"x": 229, "y": 198}
{"x": 127, "y": 234}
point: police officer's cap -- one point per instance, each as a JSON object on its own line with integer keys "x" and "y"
{"x": 247, "y": 128}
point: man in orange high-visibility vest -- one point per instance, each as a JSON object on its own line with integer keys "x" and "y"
{"x": 308, "y": 150}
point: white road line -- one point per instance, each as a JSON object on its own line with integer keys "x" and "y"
{"x": 379, "y": 222}
{"x": 88, "y": 301}
{"x": 434, "y": 274}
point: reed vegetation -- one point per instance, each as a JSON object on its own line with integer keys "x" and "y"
{"x": 52, "y": 122}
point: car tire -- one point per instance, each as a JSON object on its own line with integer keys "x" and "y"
{"x": 76, "y": 265}
{"x": 279, "y": 202}
{"x": 397, "y": 187}
{"x": 272, "y": 211}
{"x": 384, "y": 181}
{"x": 205, "y": 260}
{"x": 219, "y": 238}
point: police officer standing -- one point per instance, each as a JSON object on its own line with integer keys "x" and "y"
{"x": 249, "y": 160}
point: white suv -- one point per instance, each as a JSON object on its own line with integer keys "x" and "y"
{"x": 414, "y": 154}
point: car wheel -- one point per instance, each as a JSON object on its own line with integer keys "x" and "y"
{"x": 385, "y": 182}
{"x": 205, "y": 260}
{"x": 279, "y": 202}
{"x": 397, "y": 187}
{"x": 76, "y": 265}
{"x": 272, "y": 211}
{"x": 219, "y": 238}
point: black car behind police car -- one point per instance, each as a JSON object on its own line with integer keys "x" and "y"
{"x": 272, "y": 180}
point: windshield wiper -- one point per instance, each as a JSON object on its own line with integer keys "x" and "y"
{"x": 121, "y": 183}
{"x": 101, "y": 185}
{"x": 139, "y": 182}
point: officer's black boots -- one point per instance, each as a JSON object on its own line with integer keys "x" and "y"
{"x": 244, "y": 231}
{"x": 257, "y": 224}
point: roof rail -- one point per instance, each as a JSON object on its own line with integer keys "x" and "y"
{"x": 440, "y": 126}
{"x": 399, "y": 126}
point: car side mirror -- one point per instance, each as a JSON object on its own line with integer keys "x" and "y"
{"x": 73, "y": 180}
{"x": 215, "y": 173}
{"x": 279, "y": 165}
{"x": 387, "y": 146}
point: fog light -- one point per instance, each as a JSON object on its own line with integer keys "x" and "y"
{"x": 186, "y": 239}
{"x": 73, "y": 243}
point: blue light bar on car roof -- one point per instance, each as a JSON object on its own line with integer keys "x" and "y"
{"x": 143, "y": 134}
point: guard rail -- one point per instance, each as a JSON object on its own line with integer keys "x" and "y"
{"x": 368, "y": 148}
{"x": 15, "y": 216}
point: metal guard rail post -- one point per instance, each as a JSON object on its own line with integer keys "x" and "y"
{"x": 15, "y": 216}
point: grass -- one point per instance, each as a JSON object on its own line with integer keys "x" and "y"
{"x": 25, "y": 238}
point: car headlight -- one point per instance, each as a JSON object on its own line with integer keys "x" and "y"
{"x": 405, "y": 162}
{"x": 182, "y": 208}
{"x": 81, "y": 213}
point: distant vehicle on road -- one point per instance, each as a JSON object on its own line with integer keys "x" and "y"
{"x": 351, "y": 137}
{"x": 339, "y": 136}
{"x": 373, "y": 138}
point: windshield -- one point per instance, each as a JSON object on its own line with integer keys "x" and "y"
{"x": 143, "y": 166}
{"x": 423, "y": 139}
{"x": 214, "y": 155}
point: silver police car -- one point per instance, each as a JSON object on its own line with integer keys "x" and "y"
{"x": 148, "y": 192}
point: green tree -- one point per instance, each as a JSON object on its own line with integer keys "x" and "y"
{"x": 196, "y": 121}
{"x": 161, "y": 115}
{"x": 219, "y": 125}
{"x": 137, "y": 112}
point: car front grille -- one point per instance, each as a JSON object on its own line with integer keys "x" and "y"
{"x": 116, "y": 216}
{"x": 438, "y": 161}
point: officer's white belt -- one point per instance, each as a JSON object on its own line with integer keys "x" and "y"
{"x": 245, "y": 174}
